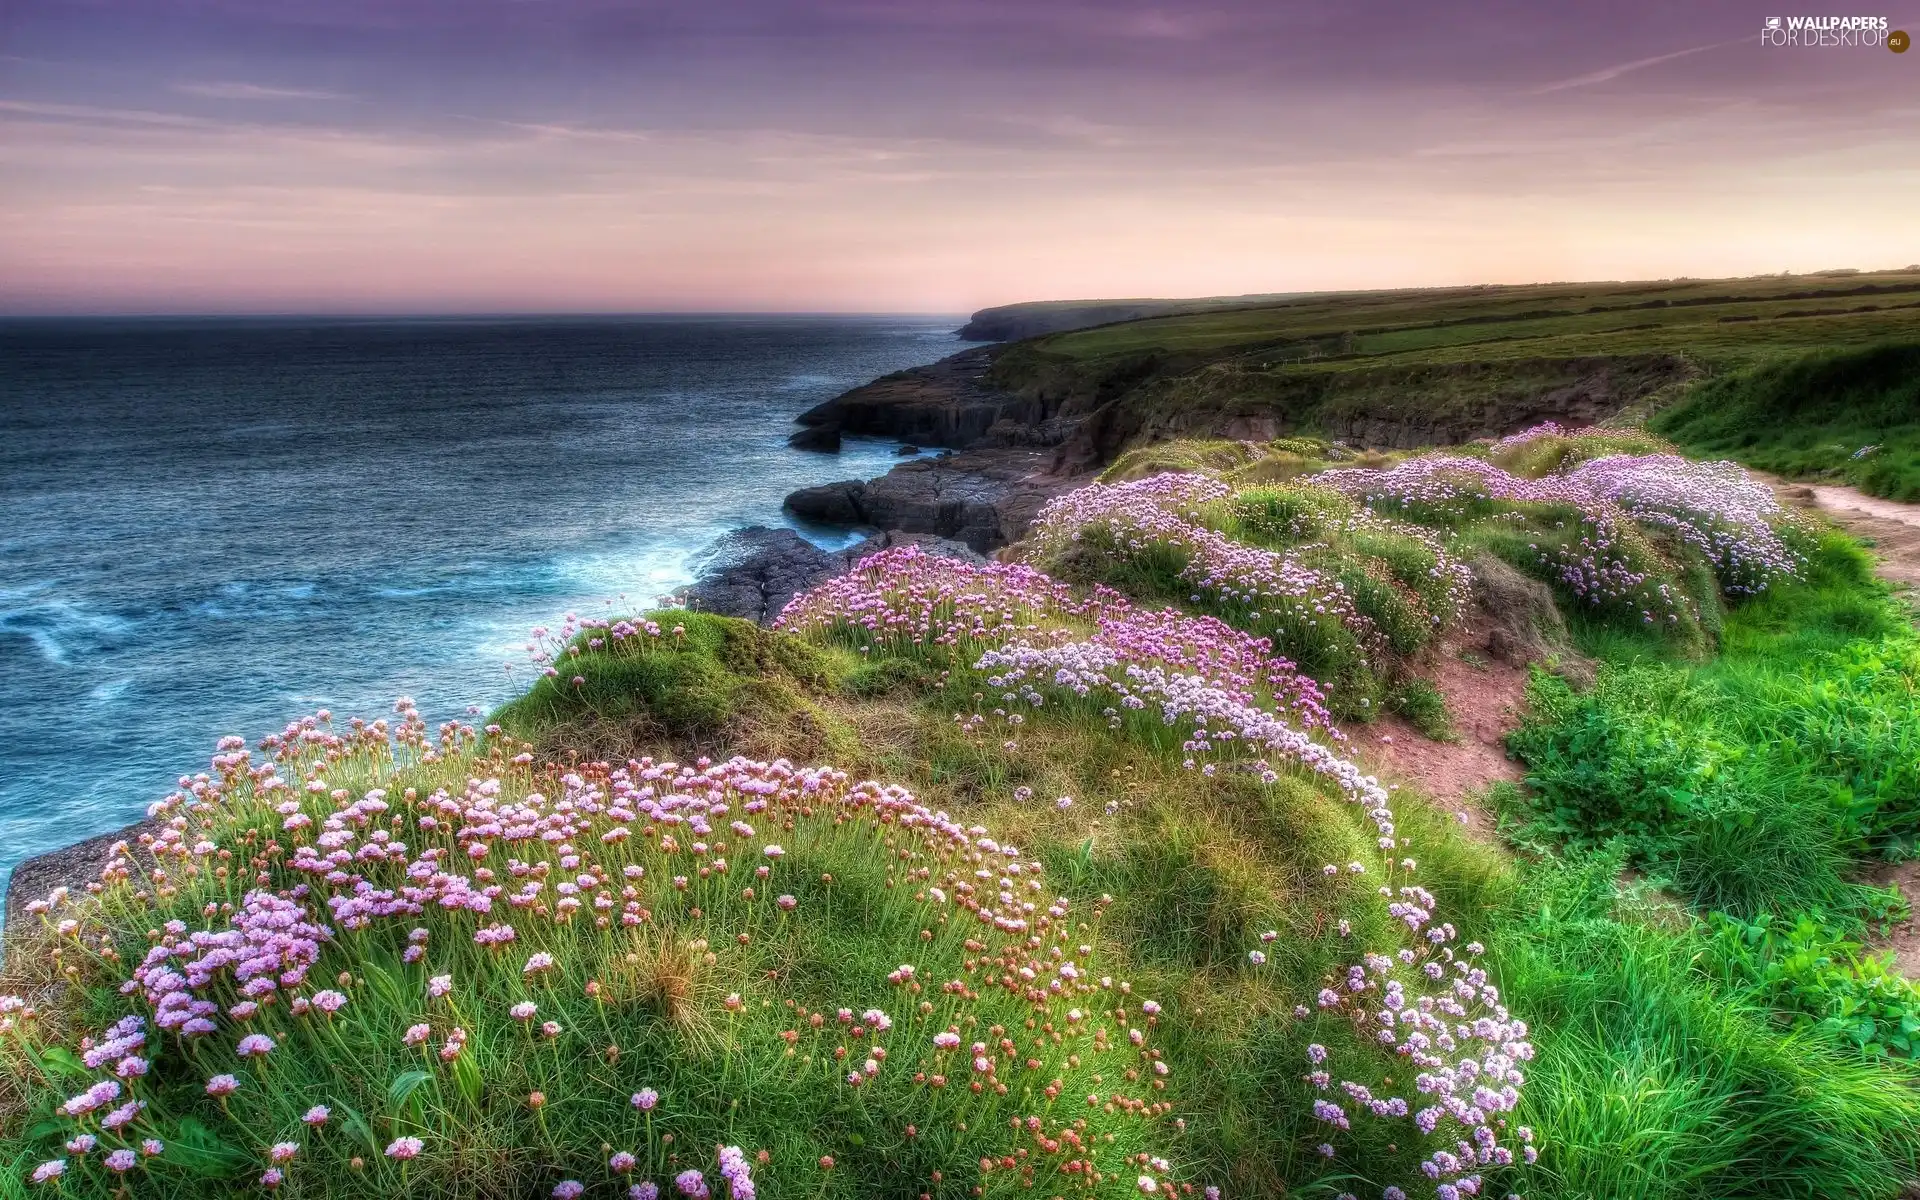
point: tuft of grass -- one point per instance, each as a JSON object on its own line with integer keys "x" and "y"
{"x": 1424, "y": 708}
{"x": 704, "y": 683}
{"x": 1662, "y": 1083}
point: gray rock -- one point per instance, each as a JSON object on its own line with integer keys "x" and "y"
{"x": 72, "y": 866}
{"x": 830, "y": 503}
{"x": 824, "y": 438}
{"x": 946, "y": 403}
{"x": 985, "y": 498}
{"x": 752, "y": 573}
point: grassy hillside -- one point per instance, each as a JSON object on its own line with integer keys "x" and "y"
{"x": 1442, "y": 365}
{"x": 1849, "y": 415}
{"x": 1092, "y": 900}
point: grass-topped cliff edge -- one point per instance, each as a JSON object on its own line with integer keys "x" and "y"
{"x": 1809, "y": 374}
{"x": 1054, "y": 876}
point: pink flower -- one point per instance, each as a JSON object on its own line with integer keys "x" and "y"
{"x": 644, "y": 1191}
{"x": 82, "y": 1144}
{"x": 317, "y": 1115}
{"x": 282, "y": 1152}
{"x": 439, "y": 986}
{"x": 538, "y": 963}
{"x": 404, "y": 1148}
{"x": 254, "y": 1044}
{"x": 121, "y": 1161}
{"x": 222, "y": 1085}
{"x": 773, "y": 851}
{"x": 123, "y": 1115}
{"x": 50, "y": 1170}
{"x": 329, "y": 1001}
{"x": 787, "y": 903}
{"x": 272, "y": 1178}
{"x": 568, "y": 1189}
{"x": 692, "y": 1184}
{"x": 622, "y": 1162}
{"x": 153, "y": 1147}
{"x": 523, "y": 1011}
{"x": 416, "y": 1035}
{"x": 645, "y": 1099}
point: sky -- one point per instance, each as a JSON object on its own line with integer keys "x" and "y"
{"x": 922, "y": 155}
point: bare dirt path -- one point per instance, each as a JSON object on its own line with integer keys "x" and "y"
{"x": 1890, "y": 527}
{"x": 1485, "y": 698}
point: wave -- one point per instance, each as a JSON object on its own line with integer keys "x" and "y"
{"x": 58, "y": 628}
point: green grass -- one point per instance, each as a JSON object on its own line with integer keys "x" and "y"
{"x": 1847, "y": 415}
{"x": 1424, "y": 708}
{"x": 1432, "y": 366}
{"x": 1680, "y": 1056}
{"x": 1756, "y": 783}
{"x": 1663, "y": 1083}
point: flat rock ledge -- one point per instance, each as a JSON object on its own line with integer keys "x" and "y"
{"x": 984, "y": 498}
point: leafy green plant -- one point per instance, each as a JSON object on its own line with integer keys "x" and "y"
{"x": 1810, "y": 967}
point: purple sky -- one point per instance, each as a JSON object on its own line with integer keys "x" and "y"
{"x": 471, "y": 155}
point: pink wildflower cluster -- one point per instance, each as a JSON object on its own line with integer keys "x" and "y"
{"x": 1603, "y": 564}
{"x": 599, "y": 848}
{"x": 1514, "y": 441}
{"x": 1274, "y": 589}
{"x": 1716, "y": 507}
{"x": 272, "y": 945}
{"x": 1239, "y": 664}
{"x": 1219, "y": 720}
{"x": 903, "y": 598}
{"x": 550, "y": 649}
{"x": 1438, "y": 1011}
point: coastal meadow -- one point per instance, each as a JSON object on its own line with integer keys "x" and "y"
{"x": 368, "y": 958}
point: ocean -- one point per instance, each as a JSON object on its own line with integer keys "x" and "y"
{"x": 215, "y": 526}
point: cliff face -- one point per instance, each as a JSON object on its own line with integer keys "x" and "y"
{"x": 1032, "y": 426}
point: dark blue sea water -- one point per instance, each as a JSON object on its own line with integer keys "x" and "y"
{"x": 210, "y": 527}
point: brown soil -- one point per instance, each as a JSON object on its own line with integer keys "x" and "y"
{"x": 1891, "y": 528}
{"x": 1903, "y": 938}
{"x": 1485, "y": 698}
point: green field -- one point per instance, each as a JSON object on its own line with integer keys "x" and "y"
{"x": 1436, "y": 366}
{"x": 1706, "y": 318}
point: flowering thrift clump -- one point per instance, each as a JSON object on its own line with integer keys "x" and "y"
{"x": 1308, "y": 613}
{"x": 1717, "y": 508}
{"x": 656, "y": 909}
{"x": 904, "y": 598}
{"x": 1411, "y": 1001}
{"x": 1596, "y": 553}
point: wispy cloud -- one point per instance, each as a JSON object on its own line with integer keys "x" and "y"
{"x": 95, "y": 113}
{"x": 1618, "y": 69}
{"x": 253, "y": 91}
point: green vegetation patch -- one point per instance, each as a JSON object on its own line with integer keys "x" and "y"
{"x": 1851, "y": 415}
